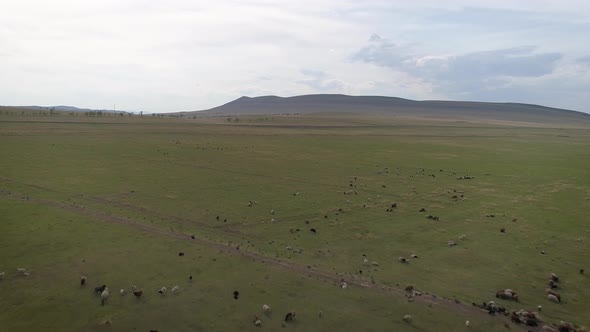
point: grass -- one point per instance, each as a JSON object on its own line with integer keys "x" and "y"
{"x": 178, "y": 176}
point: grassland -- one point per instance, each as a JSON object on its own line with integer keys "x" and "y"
{"x": 117, "y": 198}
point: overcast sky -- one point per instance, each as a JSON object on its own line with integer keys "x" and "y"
{"x": 171, "y": 55}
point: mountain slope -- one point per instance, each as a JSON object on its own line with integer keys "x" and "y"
{"x": 331, "y": 103}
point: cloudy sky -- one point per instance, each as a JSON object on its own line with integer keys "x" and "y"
{"x": 160, "y": 56}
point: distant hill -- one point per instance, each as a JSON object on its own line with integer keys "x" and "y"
{"x": 333, "y": 103}
{"x": 64, "y": 108}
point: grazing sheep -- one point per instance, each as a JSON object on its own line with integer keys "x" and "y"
{"x": 21, "y": 270}
{"x": 122, "y": 292}
{"x": 553, "y": 285}
{"x": 181, "y": 254}
{"x": 99, "y": 289}
{"x": 2, "y": 274}
{"x": 313, "y": 230}
{"x": 83, "y": 280}
{"x": 551, "y": 292}
{"x": 272, "y": 212}
{"x": 581, "y": 271}
{"x": 507, "y": 294}
{"x": 451, "y": 243}
{"x": 27, "y": 274}
{"x": 290, "y": 316}
{"x": 366, "y": 261}
{"x": 462, "y": 237}
{"x": 265, "y": 308}
{"x": 407, "y": 319}
{"x": 162, "y": 290}
{"x": 257, "y": 321}
{"x": 539, "y": 308}
{"x": 554, "y": 277}
{"x": 467, "y": 323}
{"x": 553, "y": 298}
{"x": 192, "y": 237}
{"x": 403, "y": 260}
{"x": 250, "y": 204}
{"x": 104, "y": 295}
{"x": 138, "y": 293}
{"x": 503, "y": 230}
{"x": 190, "y": 278}
{"x": 422, "y": 210}
{"x": 374, "y": 263}
{"x": 320, "y": 314}
{"x": 175, "y": 289}
{"x": 414, "y": 256}
{"x": 236, "y": 295}
{"x": 343, "y": 284}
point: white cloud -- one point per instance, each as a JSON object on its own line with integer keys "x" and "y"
{"x": 184, "y": 54}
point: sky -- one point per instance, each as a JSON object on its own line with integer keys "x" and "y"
{"x": 163, "y": 56}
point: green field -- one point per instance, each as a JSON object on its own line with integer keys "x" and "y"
{"x": 117, "y": 198}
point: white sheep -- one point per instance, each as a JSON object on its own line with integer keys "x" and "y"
{"x": 467, "y": 323}
{"x": 2, "y": 274}
{"x": 122, "y": 291}
{"x": 451, "y": 243}
{"x": 27, "y": 274}
{"x": 265, "y": 308}
{"x": 403, "y": 260}
{"x": 366, "y": 261}
{"x": 374, "y": 263}
{"x": 162, "y": 290}
{"x": 21, "y": 270}
{"x": 175, "y": 289}
{"x": 462, "y": 237}
{"x": 414, "y": 256}
{"x": 407, "y": 318}
{"x": 104, "y": 295}
{"x": 343, "y": 285}
{"x": 272, "y": 212}
{"x": 552, "y": 298}
{"x": 133, "y": 288}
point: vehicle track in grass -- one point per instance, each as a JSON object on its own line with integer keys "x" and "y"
{"x": 301, "y": 269}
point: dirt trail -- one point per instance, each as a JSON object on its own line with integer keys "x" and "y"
{"x": 232, "y": 250}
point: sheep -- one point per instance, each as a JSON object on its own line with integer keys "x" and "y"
{"x": 403, "y": 260}
{"x": 272, "y": 212}
{"x": 365, "y": 261}
{"x": 265, "y": 308}
{"x": 162, "y": 290}
{"x": 554, "y": 277}
{"x": 414, "y": 256}
{"x": 553, "y": 285}
{"x": 451, "y": 243}
{"x": 21, "y": 270}
{"x": 175, "y": 289}
{"x": 104, "y": 295}
{"x": 122, "y": 292}
{"x": 2, "y": 274}
{"x": 138, "y": 293}
{"x": 462, "y": 237}
{"x": 181, "y": 253}
{"x": 313, "y": 230}
{"x": 290, "y": 316}
{"x": 343, "y": 285}
{"x": 99, "y": 289}
{"x": 407, "y": 319}
{"x": 539, "y": 308}
{"x": 551, "y": 292}
{"x": 83, "y": 280}
{"x": 507, "y": 294}
{"x": 236, "y": 295}
{"x": 27, "y": 274}
{"x": 257, "y": 321}
{"x": 467, "y": 323}
{"x": 133, "y": 288}
{"x": 250, "y": 204}
{"x": 553, "y": 298}
{"x": 374, "y": 263}
{"x": 581, "y": 271}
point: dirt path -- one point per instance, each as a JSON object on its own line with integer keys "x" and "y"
{"x": 298, "y": 268}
